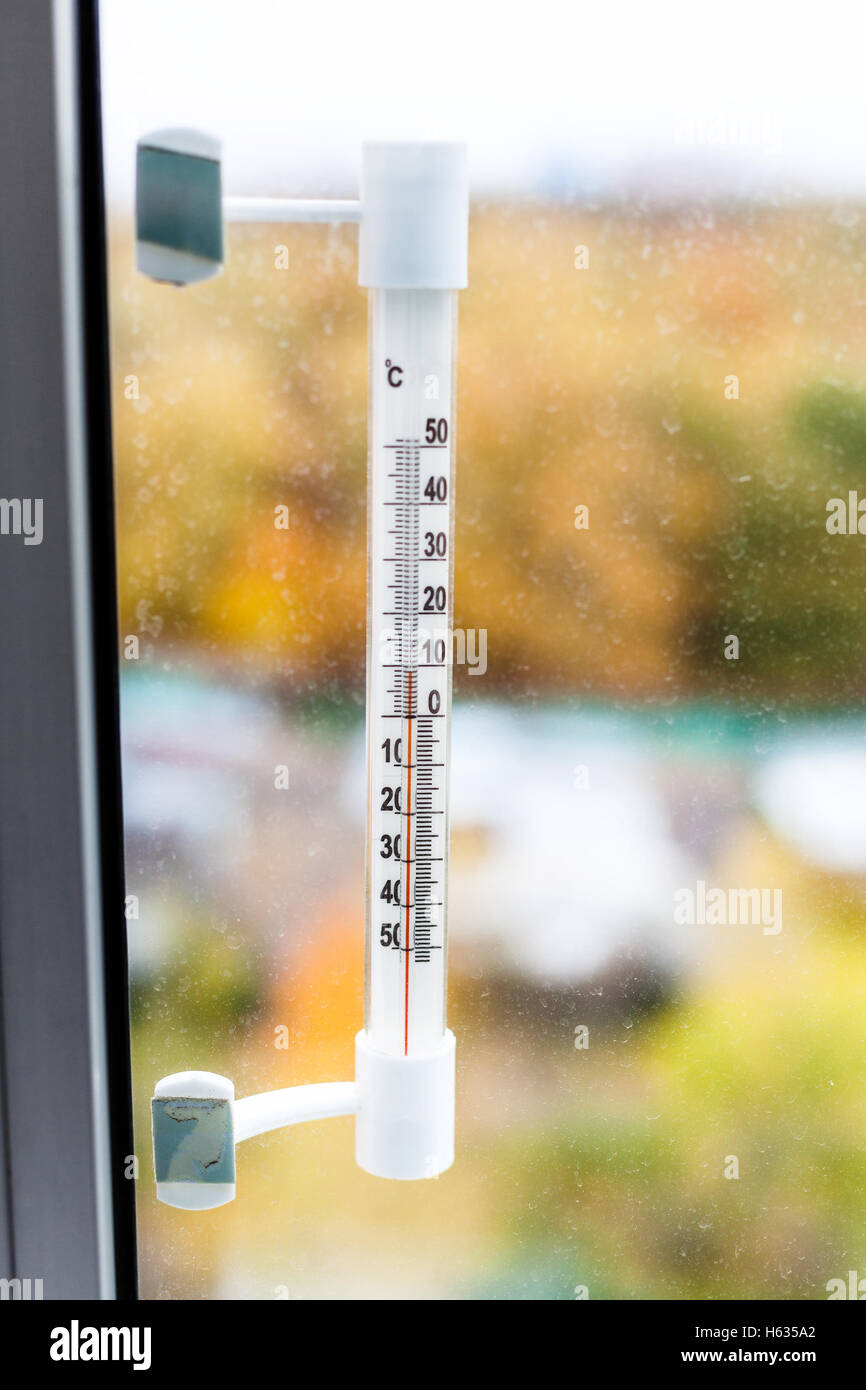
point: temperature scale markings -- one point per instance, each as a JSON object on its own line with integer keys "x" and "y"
{"x": 408, "y": 871}
{"x": 404, "y": 560}
{"x": 419, "y": 909}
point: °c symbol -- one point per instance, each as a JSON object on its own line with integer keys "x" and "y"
{"x": 395, "y": 374}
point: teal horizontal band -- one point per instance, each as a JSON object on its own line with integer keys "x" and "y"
{"x": 193, "y": 1140}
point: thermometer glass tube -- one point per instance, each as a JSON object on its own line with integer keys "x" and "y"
{"x": 410, "y": 559}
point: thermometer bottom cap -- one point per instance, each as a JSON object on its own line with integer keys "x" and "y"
{"x": 404, "y": 1127}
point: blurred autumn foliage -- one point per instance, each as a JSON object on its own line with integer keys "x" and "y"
{"x": 609, "y": 388}
{"x": 606, "y": 387}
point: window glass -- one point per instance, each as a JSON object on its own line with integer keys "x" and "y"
{"x": 657, "y": 959}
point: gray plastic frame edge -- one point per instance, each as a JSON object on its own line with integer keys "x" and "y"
{"x": 67, "y": 1207}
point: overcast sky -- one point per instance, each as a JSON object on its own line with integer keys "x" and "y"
{"x": 552, "y": 95}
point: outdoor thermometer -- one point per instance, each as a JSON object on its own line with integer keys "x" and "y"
{"x": 412, "y": 217}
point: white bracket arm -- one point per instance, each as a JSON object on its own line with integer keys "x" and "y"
{"x": 291, "y": 209}
{"x": 403, "y": 1108}
{"x": 276, "y": 1109}
{"x": 411, "y": 215}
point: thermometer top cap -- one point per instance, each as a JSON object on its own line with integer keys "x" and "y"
{"x": 415, "y": 216}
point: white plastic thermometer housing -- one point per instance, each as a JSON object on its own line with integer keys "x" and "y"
{"x": 413, "y": 224}
{"x": 412, "y": 256}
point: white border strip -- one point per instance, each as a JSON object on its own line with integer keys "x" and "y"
{"x": 66, "y": 123}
